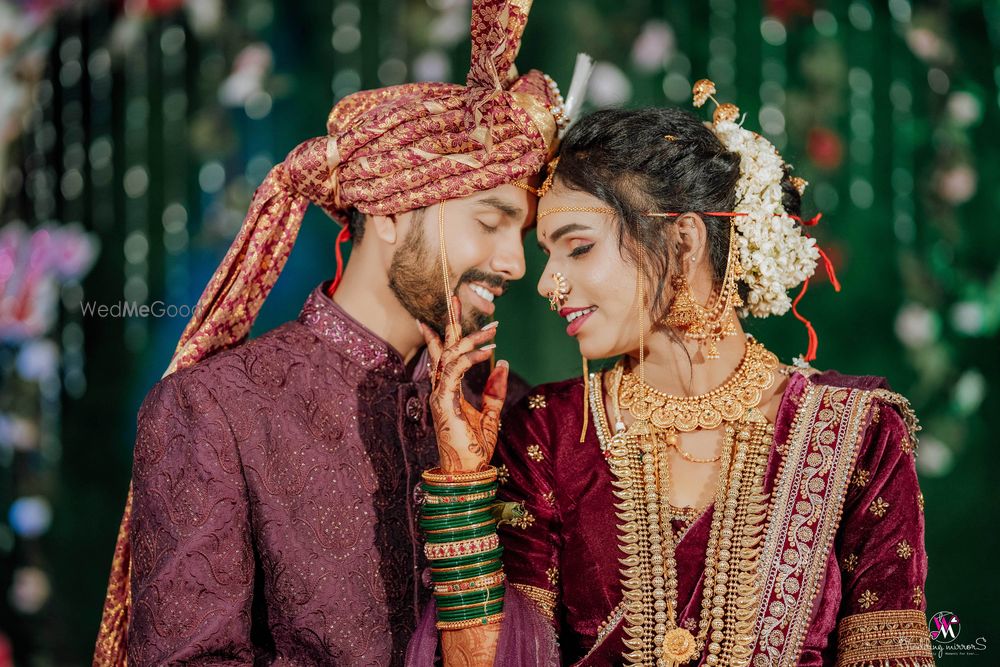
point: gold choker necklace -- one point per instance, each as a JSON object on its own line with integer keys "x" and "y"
{"x": 727, "y": 403}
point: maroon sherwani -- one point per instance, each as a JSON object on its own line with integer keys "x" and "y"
{"x": 842, "y": 549}
{"x": 273, "y": 501}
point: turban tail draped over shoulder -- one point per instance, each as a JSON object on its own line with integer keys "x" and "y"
{"x": 385, "y": 151}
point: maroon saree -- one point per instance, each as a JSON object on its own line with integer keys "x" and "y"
{"x": 841, "y": 564}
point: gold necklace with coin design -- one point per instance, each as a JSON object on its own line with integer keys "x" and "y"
{"x": 735, "y": 403}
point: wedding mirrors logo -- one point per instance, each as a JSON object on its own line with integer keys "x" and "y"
{"x": 945, "y": 628}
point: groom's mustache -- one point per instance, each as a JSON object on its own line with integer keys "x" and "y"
{"x": 490, "y": 279}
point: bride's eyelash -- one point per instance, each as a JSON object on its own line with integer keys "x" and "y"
{"x": 581, "y": 250}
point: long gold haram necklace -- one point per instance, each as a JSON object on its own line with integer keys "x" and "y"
{"x": 675, "y": 645}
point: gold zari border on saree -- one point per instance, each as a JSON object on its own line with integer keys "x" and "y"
{"x": 895, "y": 637}
{"x": 808, "y": 500}
{"x": 544, "y": 600}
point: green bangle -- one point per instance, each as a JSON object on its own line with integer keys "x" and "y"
{"x": 459, "y": 535}
{"x": 481, "y": 595}
{"x": 453, "y": 508}
{"x": 470, "y": 572}
{"x": 477, "y": 516}
{"x": 460, "y": 490}
{"x": 468, "y": 560}
{"x": 477, "y": 611}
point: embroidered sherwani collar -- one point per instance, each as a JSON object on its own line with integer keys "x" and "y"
{"x": 328, "y": 320}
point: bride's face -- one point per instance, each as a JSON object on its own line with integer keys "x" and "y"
{"x": 600, "y": 307}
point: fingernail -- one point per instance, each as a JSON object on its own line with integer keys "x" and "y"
{"x": 491, "y": 325}
{"x": 488, "y": 347}
{"x": 503, "y": 362}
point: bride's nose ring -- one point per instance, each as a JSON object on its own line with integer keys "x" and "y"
{"x": 561, "y": 291}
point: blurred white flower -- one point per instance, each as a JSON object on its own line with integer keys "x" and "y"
{"x": 964, "y": 108}
{"x": 967, "y": 317}
{"x": 916, "y": 326}
{"x": 969, "y": 391}
{"x": 250, "y": 69}
{"x": 958, "y": 184}
{"x": 450, "y": 28}
{"x": 29, "y": 590}
{"x": 935, "y": 459}
{"x": 431, "y": 66}
{"x": 609, "y": 86}
{"x": 205, "y": 15}
{"x": 925, "y": 44}
{"x": 38, "y": 360}
{"x": 654, "y": 46}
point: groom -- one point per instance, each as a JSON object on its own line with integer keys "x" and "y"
{"x": 271, "y": 516}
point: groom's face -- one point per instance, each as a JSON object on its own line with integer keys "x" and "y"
{"x": 484, "y": 241}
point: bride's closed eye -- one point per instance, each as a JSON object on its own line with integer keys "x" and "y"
{"x": 581, "y": 249}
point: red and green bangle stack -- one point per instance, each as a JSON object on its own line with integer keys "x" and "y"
{"x": 463, "y": 547}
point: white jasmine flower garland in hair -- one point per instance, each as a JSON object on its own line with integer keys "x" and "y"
{"x": 775, "y": 253}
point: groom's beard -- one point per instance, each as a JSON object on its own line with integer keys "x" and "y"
{"x": 415, "y": 279}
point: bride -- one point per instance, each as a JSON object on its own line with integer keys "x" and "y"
{"x": 699, "y": 502}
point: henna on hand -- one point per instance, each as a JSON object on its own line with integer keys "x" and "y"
{"x": 472, "y": 647}
{"x": 466, "y": 437}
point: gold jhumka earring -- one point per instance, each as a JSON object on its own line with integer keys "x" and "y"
{"x": 708, "y": 324}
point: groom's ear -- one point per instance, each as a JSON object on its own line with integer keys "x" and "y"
{"x": 384, "y": 227}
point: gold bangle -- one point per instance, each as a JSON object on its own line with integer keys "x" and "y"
{"x": 460, "y": 528}
{"x": 471, "y": 623}
{"x": 435, "y": 477}
{"x": 444, "y": 500}
{"x": 481, "y": 582}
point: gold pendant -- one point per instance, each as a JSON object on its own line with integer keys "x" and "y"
{"x": 678, "y": 646}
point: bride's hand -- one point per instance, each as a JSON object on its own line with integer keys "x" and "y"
{"x": 466, "y": 437}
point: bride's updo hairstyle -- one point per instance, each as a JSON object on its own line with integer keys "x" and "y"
{"x": 657, "y": 160}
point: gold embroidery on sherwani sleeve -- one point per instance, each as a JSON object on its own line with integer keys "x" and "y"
{"x": 544, "y": 599}
{"x": 535, "y": 453}
{"x": 537, "y": 401}
{"x": 896, "y": 637}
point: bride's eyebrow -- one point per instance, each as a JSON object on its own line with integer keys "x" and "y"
{"x": 566, "y": 229}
